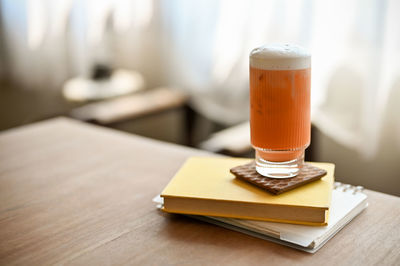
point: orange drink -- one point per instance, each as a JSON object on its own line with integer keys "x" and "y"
{"x": 280, "y": 108}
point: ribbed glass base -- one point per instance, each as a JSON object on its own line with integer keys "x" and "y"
{"x": 278, "y": 169}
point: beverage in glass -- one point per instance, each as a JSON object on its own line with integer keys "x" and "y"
{"x": 280, "y": 108}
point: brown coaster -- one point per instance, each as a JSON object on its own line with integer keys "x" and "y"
{"x": 248, "y": 173}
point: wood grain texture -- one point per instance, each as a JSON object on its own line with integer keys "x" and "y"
{"x": 77, "y": 194}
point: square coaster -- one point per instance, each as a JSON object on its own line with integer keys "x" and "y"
{"x": 248, "y": 173}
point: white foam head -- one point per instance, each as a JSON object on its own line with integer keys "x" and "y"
{"x": 280, "y": 57}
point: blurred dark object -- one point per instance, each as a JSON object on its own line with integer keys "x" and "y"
{"x": 101, "y": 71}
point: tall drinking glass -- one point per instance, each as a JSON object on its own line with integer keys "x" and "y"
{"x": 280, "y": 108}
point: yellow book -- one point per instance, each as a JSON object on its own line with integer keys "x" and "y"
{"x": 204, "y": 186}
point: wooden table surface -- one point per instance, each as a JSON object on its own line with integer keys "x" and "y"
{"x": 72, "y": 193}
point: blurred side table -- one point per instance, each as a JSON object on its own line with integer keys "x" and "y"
{"x": 160, "y": 113}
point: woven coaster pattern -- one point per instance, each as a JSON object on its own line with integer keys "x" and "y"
{"x": 248, "y": 173}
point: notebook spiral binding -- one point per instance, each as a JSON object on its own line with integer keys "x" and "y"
{"x": 346, "y": 187}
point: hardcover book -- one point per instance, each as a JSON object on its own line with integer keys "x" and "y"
{"x": 204, "y": 186}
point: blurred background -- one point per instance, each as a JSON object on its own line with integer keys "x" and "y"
{"x": 177, "y": 71}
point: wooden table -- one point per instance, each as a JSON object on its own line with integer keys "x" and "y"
{"x": 72, "y": 193}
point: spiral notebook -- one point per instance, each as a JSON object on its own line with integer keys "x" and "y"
{"x": 347, "y": 202}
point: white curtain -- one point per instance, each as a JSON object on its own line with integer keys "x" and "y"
{"x": 202, "y": 47}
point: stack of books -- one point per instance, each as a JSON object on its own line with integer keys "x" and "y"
{"x": 304, "y": 218}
